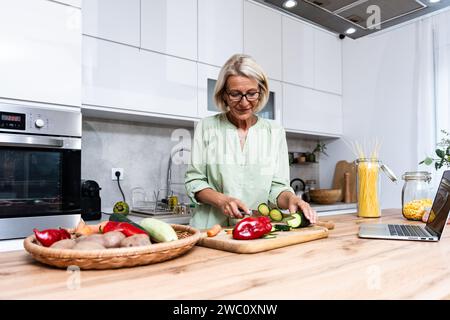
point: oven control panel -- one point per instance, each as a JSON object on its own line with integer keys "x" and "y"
{"x": 12, "y": 121}
{"x": 41, "y": 121}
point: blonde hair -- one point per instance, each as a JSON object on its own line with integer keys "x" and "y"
{"x": 241, "y": 65}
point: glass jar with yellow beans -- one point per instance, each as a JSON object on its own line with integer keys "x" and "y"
{"x": 416, "y": 194}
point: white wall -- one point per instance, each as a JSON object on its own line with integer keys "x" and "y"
{"x": 378, "y": 102}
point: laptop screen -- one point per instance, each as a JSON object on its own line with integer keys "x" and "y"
{"x": 441, "y": 206}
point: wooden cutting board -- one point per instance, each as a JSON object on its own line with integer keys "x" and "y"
{"x": 338, "y": 180}
{"x": 225, "y": 242}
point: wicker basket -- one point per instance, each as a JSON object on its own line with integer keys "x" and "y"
{"x": 115, "y": 258}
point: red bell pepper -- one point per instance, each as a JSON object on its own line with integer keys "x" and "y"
{"x": 252, "y": 228}
{"x": 50, "y": 236}
{"x": 126, "y": 228}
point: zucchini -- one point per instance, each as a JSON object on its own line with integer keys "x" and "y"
{"x": 263, "y": 209}
{"x": 119, "y": 217}
{"x": 282, "y": 227}
{"x": 276, "y": 215}
{"x": 159, "y": 230}
{"x": 294, "y": 221}
{"x": 298, "y": 220}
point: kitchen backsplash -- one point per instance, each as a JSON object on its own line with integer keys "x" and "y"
{"x": 143, "y": 151}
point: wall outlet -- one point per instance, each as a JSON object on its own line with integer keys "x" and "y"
{"x": 113, "y": 173}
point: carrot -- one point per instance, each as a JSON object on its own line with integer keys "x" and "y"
{"x": 215, "y": 229}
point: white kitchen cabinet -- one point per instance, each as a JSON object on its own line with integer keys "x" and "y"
{"x": 262, "y": 38}
{"x": 328, "y": 62}
{"x": 116, "y": 20}
{"x": 310, "y": 111}
{"x": 74, "y": 3}
{"x": 298, "y": 52}
{"x": 40, "y": 52}
{"x": 220, "y": 30}
{"x": 170, "y": 27}
{"x": 118, "y": 76}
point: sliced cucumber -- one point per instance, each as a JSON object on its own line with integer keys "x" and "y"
{"x": 294, "y": 221}
{"x": 298, "y": 220}
{"x": 269, "y": 236}
{"x": 276, "y": 215}
{"x": 263, "y": 209}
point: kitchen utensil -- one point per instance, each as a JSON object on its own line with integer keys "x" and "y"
{"x": 339, "y": 179}
{"x": 225, "y": 242}
{"x": 90, "y": 200}
{"x": 299, "y": 187}
{"x": 325, "y": 196}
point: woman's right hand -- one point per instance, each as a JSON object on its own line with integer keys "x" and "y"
{"x": 230, "y": 207}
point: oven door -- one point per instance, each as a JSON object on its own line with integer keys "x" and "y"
{"x": 39, "y": 176}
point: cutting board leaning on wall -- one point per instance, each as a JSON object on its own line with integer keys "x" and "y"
{"x": 339, "y": 179}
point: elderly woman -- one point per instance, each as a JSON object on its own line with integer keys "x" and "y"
{"x": 239, "y": 159}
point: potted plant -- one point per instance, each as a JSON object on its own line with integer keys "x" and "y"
{"x": 319, "y": 148}
{"x": 442, "y": 152}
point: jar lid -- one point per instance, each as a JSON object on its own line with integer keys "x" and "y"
{"x": 416, "y": 175}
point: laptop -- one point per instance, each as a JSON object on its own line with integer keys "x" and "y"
{"x": 437, "y": 220}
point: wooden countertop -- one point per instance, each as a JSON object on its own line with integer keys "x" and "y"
{"x": 342, "y": 266}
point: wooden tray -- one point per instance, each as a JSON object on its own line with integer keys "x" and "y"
{"x": 115, "y": 258}
{"x": 225, "y": 241}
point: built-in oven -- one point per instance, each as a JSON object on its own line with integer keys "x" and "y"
{"x": 40, "y": 169}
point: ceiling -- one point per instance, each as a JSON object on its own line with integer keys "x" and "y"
{"x": 365, "y": 16}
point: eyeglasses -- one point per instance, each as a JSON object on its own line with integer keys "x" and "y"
{"x": 237, "y": 96}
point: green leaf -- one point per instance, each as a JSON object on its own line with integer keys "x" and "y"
{"x": 440, "y": 153}
{"x": 437, "y": 166}
{"x": 448, "y": 151}
{"x": 428, "y": 161}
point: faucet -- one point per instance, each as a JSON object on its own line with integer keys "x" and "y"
{"x": 169, "y": 170}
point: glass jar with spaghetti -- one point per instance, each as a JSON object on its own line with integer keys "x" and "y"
{"x": 416, "y": 200}
{"x": 368, "y": 186}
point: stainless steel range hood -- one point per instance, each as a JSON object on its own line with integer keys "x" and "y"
{"x": 365, "y": 16}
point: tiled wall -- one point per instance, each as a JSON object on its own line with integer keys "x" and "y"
{"x": 143, "y": 151}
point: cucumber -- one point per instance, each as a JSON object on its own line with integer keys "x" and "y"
{"x": 276, "y": 215}
{"x": 294, "y": 221}
{"x": 119, "y": 217}
{"x": 298, "y": 220}
{"x": 159, "y": 230}
{"x": 282, "y": 227}
{"x": 263, "y": 209}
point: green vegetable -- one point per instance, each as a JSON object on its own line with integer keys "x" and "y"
{"x": 263, "y": 209}
{"x": 119, "y": 217}
{"x": 269, "y": 236}
{"x": 159, "y": 230}
{"x": 276, "y": 215}
{"x": 298, "y": 220}
{"x": 282, "y": 227}
{"x": 121, "y": 207}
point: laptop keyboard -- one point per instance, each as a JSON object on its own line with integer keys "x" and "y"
{"x": 406, "y": 231}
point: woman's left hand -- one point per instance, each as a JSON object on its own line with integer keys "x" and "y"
{"x": 294, "y": 203}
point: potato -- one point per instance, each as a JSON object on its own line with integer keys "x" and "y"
{"x": 113, "y": 239}
{"x": 64, "y": 244}
{"x": 98, "y": 238}
{"x": 88, "y": 245}
{"x": 136, "y": 240}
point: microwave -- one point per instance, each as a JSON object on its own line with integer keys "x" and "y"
{"x": 40, "y": 169}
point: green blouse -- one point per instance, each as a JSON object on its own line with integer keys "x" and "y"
{"x": 254, "y": 174}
